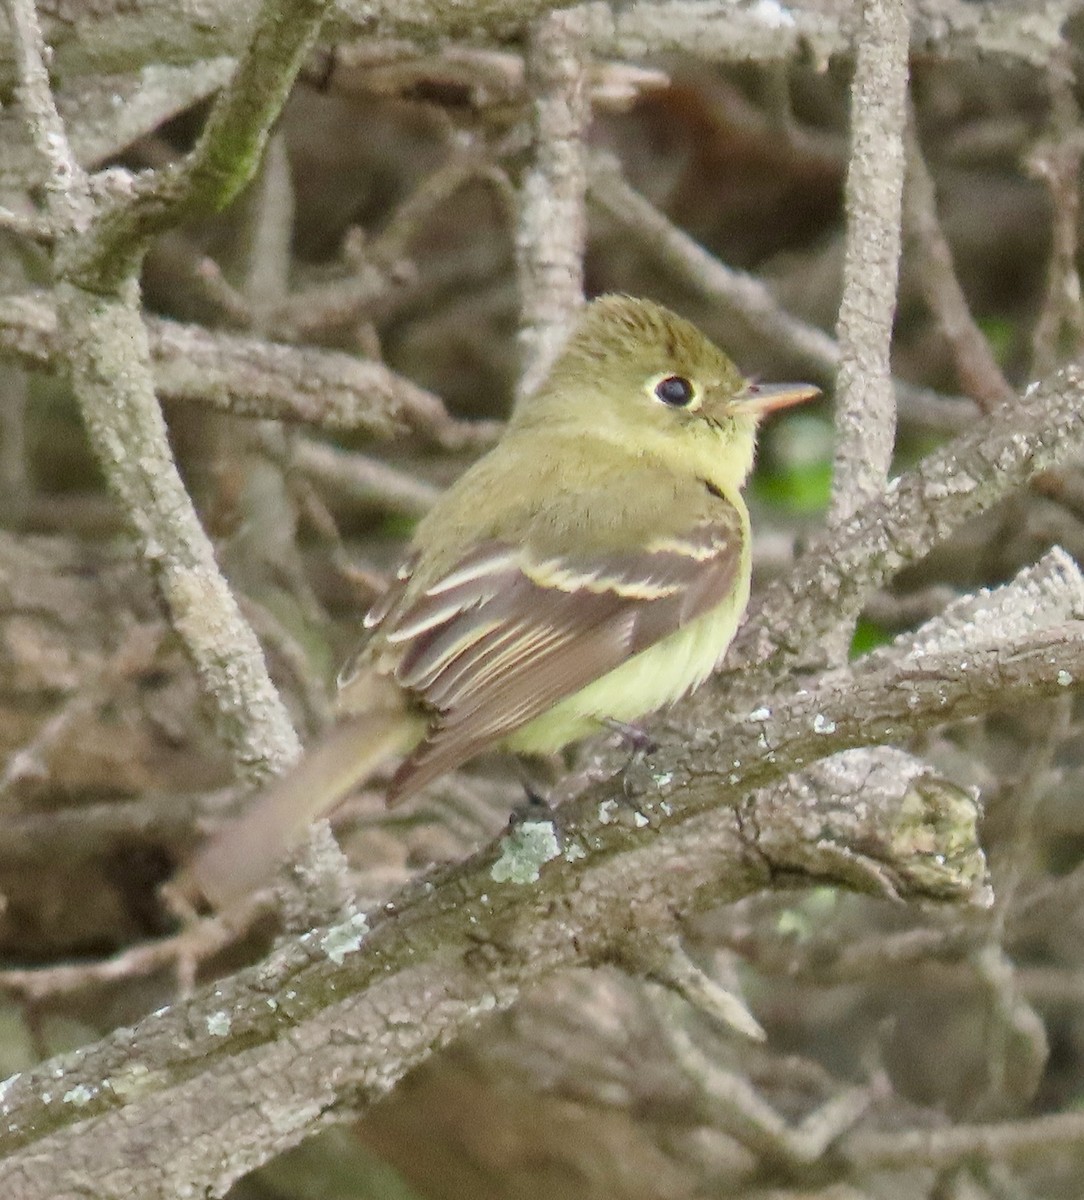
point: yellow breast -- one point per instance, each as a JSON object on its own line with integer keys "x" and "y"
{"x": 650, "y": 680}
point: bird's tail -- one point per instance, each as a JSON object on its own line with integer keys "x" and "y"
{"x": 243, "y": 854}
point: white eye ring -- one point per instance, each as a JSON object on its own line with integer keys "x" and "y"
{"x": 675, "y": 391}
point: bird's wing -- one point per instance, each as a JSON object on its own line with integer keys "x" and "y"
{"x": 509, "y": 632}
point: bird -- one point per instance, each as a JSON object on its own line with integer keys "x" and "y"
{"x": 589, "y": 569}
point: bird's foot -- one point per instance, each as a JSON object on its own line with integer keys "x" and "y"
{"x": 633, "y": 736}
{"x": 535, "y": 805}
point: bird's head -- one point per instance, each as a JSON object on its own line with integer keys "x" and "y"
{"x": 652, "y": 379}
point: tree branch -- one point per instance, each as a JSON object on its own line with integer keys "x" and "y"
{"x": 100, "y": 38}
{"x": 108, "y": 355}
{"x": 250, "y": 377}
{"x": 976, "y": 368}
{"x": 552, "y": 231}
{"x": 222, "y": 162}
{"x": 440, "y": 957}
{"x": 1036, "y": 431}
{"x": 746, "y": 300}
{"x": 865, "y": 403}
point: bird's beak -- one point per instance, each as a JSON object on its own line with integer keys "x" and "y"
{"x": 761, "y": 398}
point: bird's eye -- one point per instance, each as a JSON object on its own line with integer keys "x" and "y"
{"x": 676, "y": 391}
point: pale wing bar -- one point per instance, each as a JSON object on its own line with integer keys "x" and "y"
{"x": 503, "y": 637}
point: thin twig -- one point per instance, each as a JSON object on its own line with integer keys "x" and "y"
{"x": 732, "y": 1104}
{"x": 1005, "y": 1141}
{"x": 269, "y": 230}
{"x": 67, "y": 186}
{"x": 412, "y": 216}
{"x": 746, "y": 301}
{"x": 225, "y": 156}
{"x": 31, "y": 759}
{"x": 1016, "y": 1047}
{"x": 199, "y": 942}
{"x": 744, "y": 298}
{"x": 381, "y": 267}
{"x": 976, "y": 368}
{"x": 363, "y": 480}
{"x": 28, "y": 225}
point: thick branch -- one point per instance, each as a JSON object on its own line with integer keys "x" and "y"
{"x": 106, "y": 351}
{"x": 91, "y": 39}
{"x": 1041, "y": 429}
{"x": 552, "y": 230}
{"x": 250, "y": 377}
{"x": 422, "y": 974}
{"x": 865, "y": 403}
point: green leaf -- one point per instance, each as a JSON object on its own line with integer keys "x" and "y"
{"x": 796, "y": 464}
{"x": 397, "y": 525}
{"x": 803, "y": 490}
{"x": 1001, "y": 334}
{"x": 867, "y": 636}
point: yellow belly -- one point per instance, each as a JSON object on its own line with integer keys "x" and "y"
{"x": 648, "y": 681}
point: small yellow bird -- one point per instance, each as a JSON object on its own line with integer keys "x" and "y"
{"x": 593, "y": 566}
